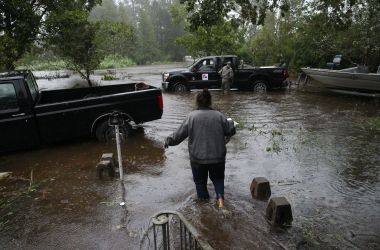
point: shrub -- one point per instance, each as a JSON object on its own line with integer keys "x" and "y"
{"x": 116, "y": 61}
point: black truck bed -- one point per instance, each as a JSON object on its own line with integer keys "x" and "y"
{"x": 64, "y": 95}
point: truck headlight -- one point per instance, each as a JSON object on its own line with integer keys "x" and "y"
{"x": 165, "y": 76}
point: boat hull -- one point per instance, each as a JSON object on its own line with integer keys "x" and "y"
{"x": 337, "y": 79}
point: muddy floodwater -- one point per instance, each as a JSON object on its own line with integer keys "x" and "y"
{"x": 317, "y": 149}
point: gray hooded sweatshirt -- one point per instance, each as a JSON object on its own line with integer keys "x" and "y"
{"x": 207, "y": 130}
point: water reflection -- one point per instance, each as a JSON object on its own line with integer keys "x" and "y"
{"x": 143, "y": 155}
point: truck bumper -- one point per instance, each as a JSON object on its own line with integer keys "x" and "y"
{"x": 165, "y": 85}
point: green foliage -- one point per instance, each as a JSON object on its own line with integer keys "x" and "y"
{"x": 109, "y": 78}
{"x": 167, "y": 29}
{"x": 117, "y": 61}
{"x": 375, "y": 123}
{"x": 208, "y": 13}
{"x": 275, "y": 138}
{"x": 19, "y": 26}
{"x": 223, "y": 38}
{"x": 107, "y": 11}
{"x": 116, "y": 38}
{"x": 21, "y": 21}
{"x": 40, "y": 59}
{"x": 303, "y": 33}
{"x": 310, "y": 34}
{"x": 370, "y": 124}
{"x": 43, "y": 65}
{"x": 73, "y": 38}
{"x": 147, "y": 50}
{"x": 262, "y": 48}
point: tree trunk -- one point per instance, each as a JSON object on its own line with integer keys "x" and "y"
{"x": 89, "y": 82}
{"x": 88, "y": 78}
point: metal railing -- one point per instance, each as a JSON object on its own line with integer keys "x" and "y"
{"x": 171, "y": 230}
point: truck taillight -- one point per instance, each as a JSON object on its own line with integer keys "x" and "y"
{"x": 285, "y": 72}
{"x": 160, "y": 102}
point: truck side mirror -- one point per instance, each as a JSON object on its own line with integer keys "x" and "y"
{"x": 193, "y": 69}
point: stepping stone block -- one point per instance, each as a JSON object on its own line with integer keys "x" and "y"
{"x": 260, "y": 188}
{"x": 5, "y": 175}
{"x": 110, "y": 157}
{"x": 105, "y": 166}
{"x": 279, "y": 212}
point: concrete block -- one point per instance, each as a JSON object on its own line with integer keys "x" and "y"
{"x": 279, "y": 212}
{"x": 4, "y": 175}
{"x": 260, "y": 188}
{"x": 105, "y": 166}
{"x": 110, "y": 157}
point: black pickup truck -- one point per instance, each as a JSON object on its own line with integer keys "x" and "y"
{"x": 31, "y": 118}
{"x": 203, "y": 73}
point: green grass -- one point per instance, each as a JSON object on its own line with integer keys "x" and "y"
{"x": 374, "y": 123}
{"x": 371, "y": 124}
{"x": 109, "y": 78}
{"x": 112, "y": 62}
{"x": 109, "y": 62}
{"x": 43, "y": 65}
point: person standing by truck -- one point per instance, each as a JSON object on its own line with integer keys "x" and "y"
{"x": 227, "y": 75}
{"x": 207, "y": 130}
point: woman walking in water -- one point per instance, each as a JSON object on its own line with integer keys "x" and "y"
{"x": 208, "y": 130}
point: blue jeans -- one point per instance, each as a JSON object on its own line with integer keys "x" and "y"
{"x": 200, "y": 175}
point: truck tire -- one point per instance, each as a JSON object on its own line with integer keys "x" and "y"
{"x": 180, "y": 87}
{"x": 260, "y": 86}
{"x": 106, "y": 133}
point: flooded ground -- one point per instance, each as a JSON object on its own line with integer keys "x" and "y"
{"x": 319, "y": 150}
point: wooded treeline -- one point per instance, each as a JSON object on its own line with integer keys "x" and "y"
{"x": 85, "y": 33}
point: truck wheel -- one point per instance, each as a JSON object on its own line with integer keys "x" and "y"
{"x": 180, "y": 87}
{"x": 106, "y": 133}
{"x": 260, "y": 86}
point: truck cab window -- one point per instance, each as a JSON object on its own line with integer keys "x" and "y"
{"x": 32, "y": 86}
{"x": 8, "y": 98}
{"x": 207, "y": 65}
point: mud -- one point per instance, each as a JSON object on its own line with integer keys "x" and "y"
{"x": 315, "y": 148}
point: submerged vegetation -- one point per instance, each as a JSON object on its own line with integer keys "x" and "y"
{"x": 374, "y": 123}
{"x": 370, "y": 124}
{"x": 275, "y": 138}
{"x": 109, "y": 78}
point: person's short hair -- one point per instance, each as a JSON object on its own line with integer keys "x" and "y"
{"x": 203, "y": 99}
{"x": 229, "y": 63}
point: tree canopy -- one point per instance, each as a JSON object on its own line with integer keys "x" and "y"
{"x": 303, "y": 33}
{"x": 210, "y": 12}
{"x": 22, "y": 22}
{"x": 73, "y": 37}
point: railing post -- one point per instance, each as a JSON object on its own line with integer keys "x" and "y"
{"x": 155, "y": 237}
{"x": 162, "y": 221}
{"x": 189, "y": 236}
{"x": 180, "y": 233}
{"x": 164, "y": 236}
